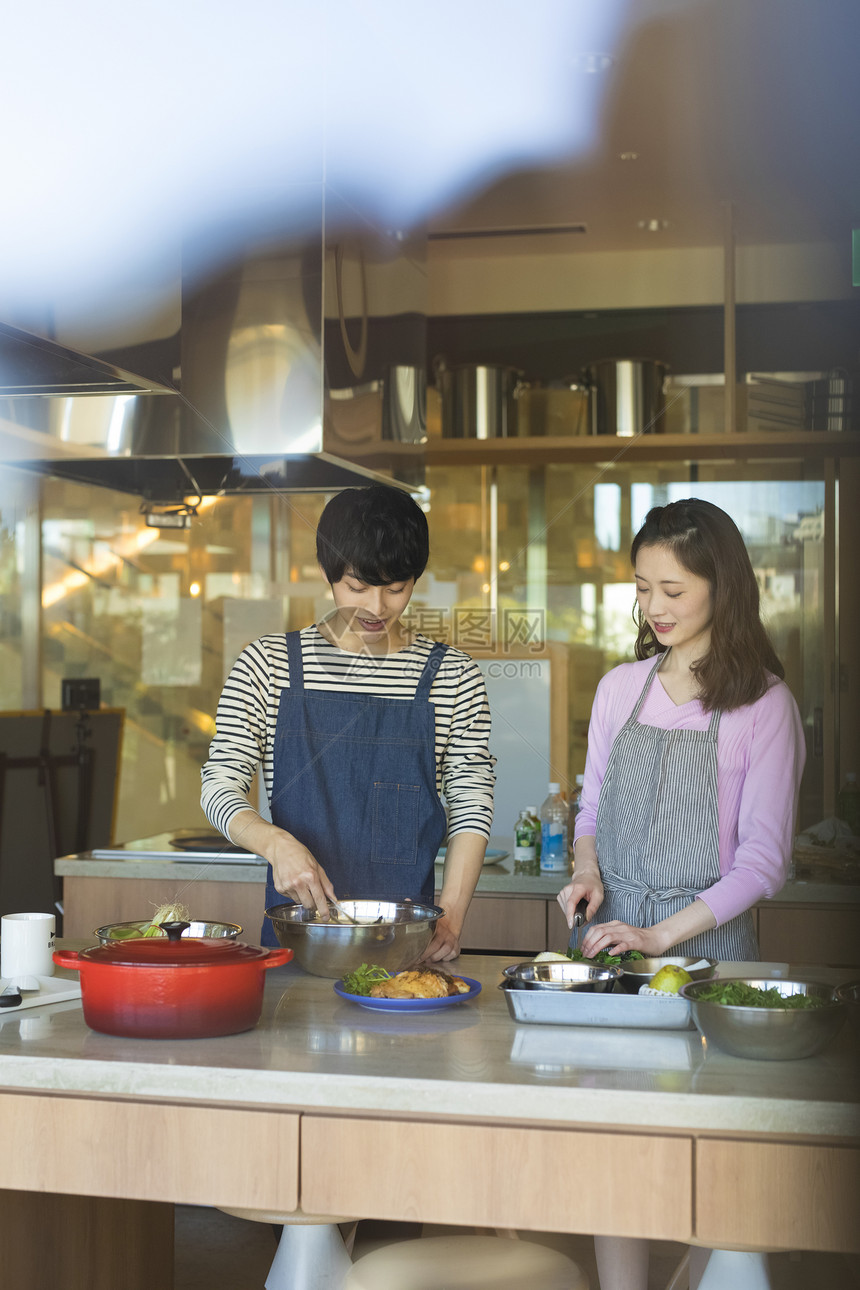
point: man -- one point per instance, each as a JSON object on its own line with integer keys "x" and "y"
{"x": 360, "y": 727}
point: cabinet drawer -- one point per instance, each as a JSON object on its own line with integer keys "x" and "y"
{"x": 777, "y": 1196}
{"x": 496, "y": 1176}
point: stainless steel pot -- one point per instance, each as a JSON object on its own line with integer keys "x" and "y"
{"x": 478, "y": 402}
{"x": 626, "y": 396}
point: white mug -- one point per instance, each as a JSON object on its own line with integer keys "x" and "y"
{"x": 26, "y": 945}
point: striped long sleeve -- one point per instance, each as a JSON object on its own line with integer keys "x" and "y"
{"x": 248, "y": 712}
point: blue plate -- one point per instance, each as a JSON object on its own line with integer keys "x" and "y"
{"x": 410, "y": 1005}
{"x": 493, "y": 855}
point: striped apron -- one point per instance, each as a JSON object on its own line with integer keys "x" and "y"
{"x": 657, "y": 832}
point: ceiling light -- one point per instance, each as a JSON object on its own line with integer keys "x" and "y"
{"x": 652, "y": 225}
{"x": 592, "y": 63}
{"x": 156, "y": 516}
{"x": 628, "y": 156}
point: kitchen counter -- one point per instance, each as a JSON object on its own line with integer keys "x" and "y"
{"x": 431, "y": 1115}
{"x": 155, "y": 858}
{"x": 312, "y": 1049}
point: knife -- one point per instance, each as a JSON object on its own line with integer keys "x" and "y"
{"x": 578, "y": 920}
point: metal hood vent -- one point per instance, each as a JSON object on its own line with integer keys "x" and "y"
{"x": 32, "y": 365}
{"x": 254, "y": 411}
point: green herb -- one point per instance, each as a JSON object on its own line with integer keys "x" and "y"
{"x": 739, "y": 994}
{"x": 361, "y": 980}
{"x": 604, "y": 958}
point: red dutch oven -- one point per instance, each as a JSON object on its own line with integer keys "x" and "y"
{"x": 172, "y": 989}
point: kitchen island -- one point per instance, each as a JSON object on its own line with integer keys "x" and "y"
{"x": 812, "y": 920}
{"x": 460, "y": 1116}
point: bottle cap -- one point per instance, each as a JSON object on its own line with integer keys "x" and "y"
{"x": 554, "y": 788}
{"x": 532, "y": 810}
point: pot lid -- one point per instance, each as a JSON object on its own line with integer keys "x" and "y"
{"x": 187, "y": 952}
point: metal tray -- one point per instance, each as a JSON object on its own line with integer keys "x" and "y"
{"x": 578, "y": 1008}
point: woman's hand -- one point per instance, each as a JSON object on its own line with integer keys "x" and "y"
{"x": 587, "y": 886}
{"x": 617, "y": 937}
{"x": 586, "y": 883}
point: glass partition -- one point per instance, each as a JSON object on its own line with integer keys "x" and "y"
{"x": 159, "y": 616}
{"x": 562, "y": 556}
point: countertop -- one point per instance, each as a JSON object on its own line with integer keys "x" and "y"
{"x": 314, "y": 1051}
{"x": 155, "y": 858}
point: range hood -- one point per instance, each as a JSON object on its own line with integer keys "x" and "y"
{"x": 253, "y": 410}
{"x": 32, "y": 365}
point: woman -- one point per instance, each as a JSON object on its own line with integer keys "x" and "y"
{"x": 695, "y": 754}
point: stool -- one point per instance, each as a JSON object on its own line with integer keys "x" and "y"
{"x": 311, "y": 1253}
{"x": 465, "y": 1263}
{"x": 740, "y": 1269}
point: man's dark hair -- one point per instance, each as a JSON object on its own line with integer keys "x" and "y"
{"x": 379, "y": 534}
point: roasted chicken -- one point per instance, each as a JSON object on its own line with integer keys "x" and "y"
{"x": 419, "y": 983}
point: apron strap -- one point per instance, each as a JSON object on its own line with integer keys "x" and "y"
{"x": 294, "y": 659}
{"x": 645, "y": 688}
{"x": 430, "y": 671}
{"x": 713, "y": 725}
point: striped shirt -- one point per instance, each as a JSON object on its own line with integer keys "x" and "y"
{"x": 248, "y": 713}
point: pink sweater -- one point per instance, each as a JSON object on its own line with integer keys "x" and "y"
{"x": 760, "y": 757}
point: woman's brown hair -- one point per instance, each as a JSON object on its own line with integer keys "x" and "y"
{"x": 708, "y": 543}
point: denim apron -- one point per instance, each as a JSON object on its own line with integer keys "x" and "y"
{"x": 354, "y": 779}
{"x": 657, "y": 831}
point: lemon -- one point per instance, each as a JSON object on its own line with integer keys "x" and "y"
{"x": 670, "y": 978}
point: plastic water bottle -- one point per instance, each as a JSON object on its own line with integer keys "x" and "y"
{"x": 848, "y": 803}
{"x": 553, "y": 832}
{"x": 525, "y": 842}
{"x": 573, "y": 809}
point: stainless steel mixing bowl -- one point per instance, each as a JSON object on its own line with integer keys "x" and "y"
{"x": 556, "y": 974}
{"x": 768, "y": 1034}
{"x": 198, "y": 927}
{"x": 391, "y": 933}
{"x": 638, "y": 972}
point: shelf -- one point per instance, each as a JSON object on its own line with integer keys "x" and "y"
{"x": 794, "y": 445}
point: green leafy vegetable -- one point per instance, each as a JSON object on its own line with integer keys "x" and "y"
{"x": 361, "y": 980}
{"x": 604, "y": 958}
{"x": 742, "y": 995}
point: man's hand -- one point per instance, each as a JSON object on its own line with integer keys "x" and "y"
{"x": 445, "y": 944}
{"x": 464, "y": 856}
{"x": 295, "y": 872}
{"x": 298, "y": 875}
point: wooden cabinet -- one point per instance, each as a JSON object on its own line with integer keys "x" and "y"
{"x": 514, "y": 924}
{"x": 92, "y": 902}
{"x": 828, "y": 934}
{"x": 85, "y": 1242}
